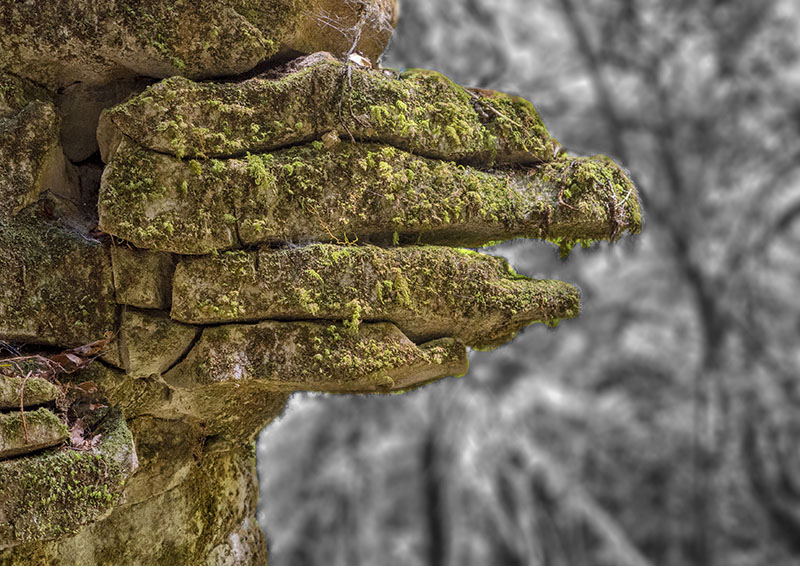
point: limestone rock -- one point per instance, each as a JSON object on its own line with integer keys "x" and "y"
{"x": 55, "y": 282}
{"x": 216, "y": 502}
{"x": 429, "y": 292}
{"x": 419, "y": 111}
{"x": 29, "y": 145}
{"x": 312, "y": 356}
{"x": 373, "y": 193}
{"x": 49, "y": 495}
{"x": 44, "y": 429}
{"x": 60, "y": 42}
{"x": 150, "y": 342}
{"x": 141, "y": 278}
{"x": 37, "y": 391}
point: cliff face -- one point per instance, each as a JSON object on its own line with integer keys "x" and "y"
{"x": 218, "y": 245}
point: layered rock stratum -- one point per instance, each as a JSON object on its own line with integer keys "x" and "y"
{"x": 277, "y": 214}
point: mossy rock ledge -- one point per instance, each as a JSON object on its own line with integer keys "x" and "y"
{"x": 298, "y": 223}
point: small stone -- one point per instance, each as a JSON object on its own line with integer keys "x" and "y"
{"x": 44, "y": 430}
{"x": 142, "y": 278}
{"x": 150, "y": 342}
{"x": 29, "y": 146}
{"x": 37, "y": 391}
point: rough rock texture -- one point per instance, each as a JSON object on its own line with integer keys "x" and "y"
{"x": 29, "y": 145}
{"x": 24, "y": 434}
{"x": 60, "y": 42}
{"x": 142, "y": 279}
{"x": 288, "y": 227}
{"x": 428, "y": 292}
{"x": 55, "y": 283}
{"x": 420, "y": 111}
{"x": 368, "y": 192}
{"x": 28, "y": 392}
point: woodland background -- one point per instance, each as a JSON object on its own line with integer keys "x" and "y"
{"x": 662, "y": 426}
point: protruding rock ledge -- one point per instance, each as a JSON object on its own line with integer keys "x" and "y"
{"x": 55, "y": 282}
{"x": 50, "y": 495}
{"x": 420, "y": 111}
{"x": 373, "y": 193}
{"x": 60, "y": 42}
{"x": 39, "y": 429}
{"x": 314, "y": 356}
{"x": 429, "y": 292}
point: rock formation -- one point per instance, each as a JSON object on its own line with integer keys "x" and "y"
{"x": 273, "y": 216}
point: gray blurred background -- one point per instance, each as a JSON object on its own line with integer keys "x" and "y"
{"x": 662, "y": 426}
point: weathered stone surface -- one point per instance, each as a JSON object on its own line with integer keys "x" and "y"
{"x": 368, "y": 192}
{"x": 429, "y": 292}
{"x": 55, "y": 282}
{"x": 151, "y": 342}
{"x": 206, "y": 513}
{"x": 141, "y": 278}
{"x": 312, "y": 356}
{"x": 37, "y": 391}
{"x": 44, "y": 429}
{"x": 50, "y": 495}
{"x": 167, "y": 451}
{"x": 420, "y": 111}
{"x": 29, "y": 145}
{"x": 60, "y": 42}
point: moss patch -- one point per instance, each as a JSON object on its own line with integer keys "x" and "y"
{"x": 429, "y": 292}
{"x": 420, "y": 111}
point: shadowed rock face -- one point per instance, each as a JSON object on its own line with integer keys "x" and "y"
{"x": 295, "y": 230}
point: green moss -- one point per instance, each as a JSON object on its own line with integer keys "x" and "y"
{"x": 420, "y": 111}
{"x": 54, "y": 493}
{"x": 428, "y": 292}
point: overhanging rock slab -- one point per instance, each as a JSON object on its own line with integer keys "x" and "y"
{"x": 420, "y": 111}
{"x": 370, "y": 192}
{"x": 429, "y": 292}
{"x": 314, "y": 356}
{"x": 34, "y": 431}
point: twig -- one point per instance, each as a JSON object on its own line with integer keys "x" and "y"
{"x": 22, "y": 405}
{"x": 492, "y": 109}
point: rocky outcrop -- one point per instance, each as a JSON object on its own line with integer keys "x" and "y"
{"x": 60, "y": 42}
{"x": 427, "y": 292}
{"x": 419, "y": 111}
{"x": 365, "y": 192}
{"x": 292, "y": 226}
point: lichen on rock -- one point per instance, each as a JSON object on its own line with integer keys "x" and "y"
{"x": 55, "y": 283}
{"x": 420, "y": 111}
{"x": 317, "y": 356}
{"x": 30, "y": 149}
{"x": 429, "y": 292}
{"x": 51, "y": 495}
{"x": 60, "y": 42}
{"x": 365, "y": 192}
